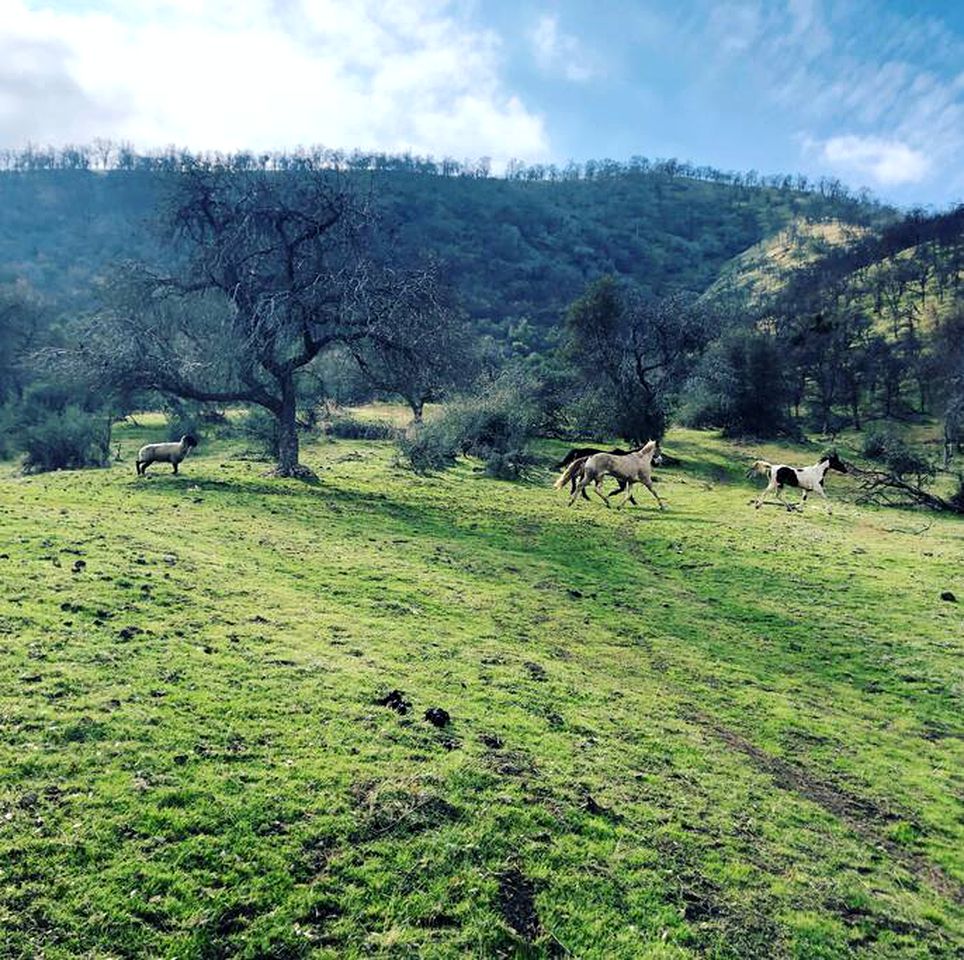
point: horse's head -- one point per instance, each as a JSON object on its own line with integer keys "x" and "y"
{"x": 657, "y": 455}
{"x": 835, "y": 463}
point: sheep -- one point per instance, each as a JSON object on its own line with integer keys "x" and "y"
{"x": 172, "y": 453}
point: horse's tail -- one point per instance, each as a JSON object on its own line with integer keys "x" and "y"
{"x": 570, "y": 472}
{"x": 762, "y": 467}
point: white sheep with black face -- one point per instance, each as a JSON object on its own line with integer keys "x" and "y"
{"x": 172, "y": 453}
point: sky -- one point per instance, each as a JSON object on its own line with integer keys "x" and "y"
{"x": 868, "y": 91}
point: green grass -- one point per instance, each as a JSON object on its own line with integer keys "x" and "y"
{"x": 713, "y": 732}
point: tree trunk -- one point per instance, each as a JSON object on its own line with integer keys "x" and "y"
{"x": 417, "y": 408}
{"x": 288, "y": 465}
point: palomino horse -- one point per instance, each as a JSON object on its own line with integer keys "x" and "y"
{"x": 635, "y": 467}
{"x": 806, "y": 478}
{"x": 582, "y": 454}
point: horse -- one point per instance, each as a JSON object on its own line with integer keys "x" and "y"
{"x": 808, "y": 479}
{"x": 635, "y": 467}
{"x": 582, "y": 454}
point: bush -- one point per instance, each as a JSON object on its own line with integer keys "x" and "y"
{"x": 6, "y": 433}
{"x": 66, "y": 439}
{"x": 898, "y": 457}
{"x": 260, "y": 429}
{"x": 494, "y": 426}
{"x": 190, "y": 417}
{"x": 432, "y": 445}
{"x": 351, "y": 428}
{"x": 877, "y": 443}
{"x": 903, "y": 461}
{"x": 740, "y": 387}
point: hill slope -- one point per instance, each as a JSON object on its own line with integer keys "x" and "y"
{"x": 671, "y": 736}
{"x": 514, "y": 248}
{"x": 906, "y": 278}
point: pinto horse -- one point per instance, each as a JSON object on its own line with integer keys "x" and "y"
{"x": 808, "y": 479}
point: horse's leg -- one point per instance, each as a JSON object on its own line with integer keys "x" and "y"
{"x": 622, "y": 486}
{"x": 599, "y": 493}
{"x": 780, "y": 498}
{"x": 629, "y": 487}
{"x": 772, "y": 485}
{"x": 648, "y": 483}
{"x": 579, "y": 486}
{"x": 826, "y": 500}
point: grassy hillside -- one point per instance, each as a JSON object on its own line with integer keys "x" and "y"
{"x": 710, "y": 732}
{"x": 906, "y": 279}
{"x": 764, "y": 269}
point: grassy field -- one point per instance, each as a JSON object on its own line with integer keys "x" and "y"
{"x": 712, "y": 732}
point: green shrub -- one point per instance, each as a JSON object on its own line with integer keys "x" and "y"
{"x": 190, "y": 417}
{"x": 897, "y": 456}
{"x": 495, "y": 426}
{"x": 740, "y": 386}
{"x": 66, "y": 439}
{"x": 345, "y": 427}
{"x": 260, "y": 429}
{"x": 903, "y": 461}
{"x": 877, "y": 443}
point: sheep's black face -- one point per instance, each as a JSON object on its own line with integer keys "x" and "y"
{"x": 190, "y": 441}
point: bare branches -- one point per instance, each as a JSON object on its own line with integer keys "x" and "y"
{"x": 889, "y": 490}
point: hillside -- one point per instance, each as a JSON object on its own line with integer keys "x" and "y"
{"x": 764, "y": 270}
{"x": 906, "y": 278}
{"x": 514, "y": 248}
{"x": 709, "y": 732}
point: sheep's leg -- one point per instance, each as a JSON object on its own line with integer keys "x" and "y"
{"x": 174, "y": 464}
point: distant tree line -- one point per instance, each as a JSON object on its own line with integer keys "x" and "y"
{"x": 104, "y": 155}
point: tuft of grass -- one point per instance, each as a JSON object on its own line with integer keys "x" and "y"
{"x": 710, "y": 732}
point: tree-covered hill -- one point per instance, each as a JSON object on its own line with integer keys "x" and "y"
{"x": 867, "y": 321}
{"x": 520, "y": 246}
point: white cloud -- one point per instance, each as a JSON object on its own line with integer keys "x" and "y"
{"x": 887, "y": 162}
{"x": 558, "y": 52}
{"x": 262, "y": 74}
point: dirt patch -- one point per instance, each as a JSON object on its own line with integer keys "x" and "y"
{"x": 438, "y": 717}
{"x": 517, "y": 904}
{"x": 537, "y": 671}
{"x": 394, "y": 700}
{"x": 861, "y": 815}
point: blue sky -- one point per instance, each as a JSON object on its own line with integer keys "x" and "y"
{"x": 870, "y": 92}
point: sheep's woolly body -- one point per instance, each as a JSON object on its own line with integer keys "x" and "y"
{"x": 172, "y": 453}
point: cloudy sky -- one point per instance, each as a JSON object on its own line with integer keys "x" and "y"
{"x": 871, "y": 91}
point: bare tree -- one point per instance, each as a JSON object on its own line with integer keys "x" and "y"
{"x": 276, "y": 267}
{"x": 416, "y": 344}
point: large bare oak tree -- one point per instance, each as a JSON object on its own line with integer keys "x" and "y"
{"x": 275, "y": 266}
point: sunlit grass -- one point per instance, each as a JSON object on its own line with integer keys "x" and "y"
{"x": 710, "y": 732}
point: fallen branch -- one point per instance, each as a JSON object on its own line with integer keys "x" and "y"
{"x": 888, "y": 490}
